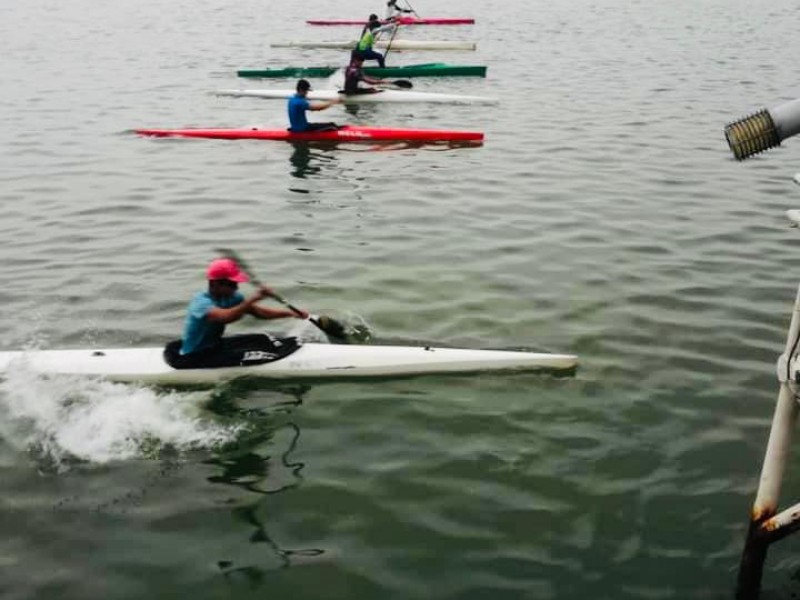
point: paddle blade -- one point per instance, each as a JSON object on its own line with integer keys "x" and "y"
{"x": 330, "y": 326}
{"x": 403, "y": 83}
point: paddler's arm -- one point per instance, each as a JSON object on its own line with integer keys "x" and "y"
{"x": 323, "y": 105}
{"x": 383, "y": 29}
{"x": 234, "y": 313}
{"x": 262, "y": 312}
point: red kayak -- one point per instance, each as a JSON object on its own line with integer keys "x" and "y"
{"x": 400, "y": 20}
{"x": 346, "y": 133}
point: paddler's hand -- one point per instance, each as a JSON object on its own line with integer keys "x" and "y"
{"x": 265, "y": 292}
{"x": 300, "y": 314}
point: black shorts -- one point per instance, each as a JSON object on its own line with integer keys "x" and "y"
{"x": 232, "y": 351}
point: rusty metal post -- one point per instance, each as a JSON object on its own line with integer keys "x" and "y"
{"x": 765, "y": 506}
{"x": 783, "y": 524}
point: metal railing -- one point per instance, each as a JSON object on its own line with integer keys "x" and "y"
{"x": 748, "y": 136}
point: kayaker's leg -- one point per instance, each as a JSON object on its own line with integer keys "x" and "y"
{"x": 234, "y": 351}
{"x": 256, "y": 348}
{"x": 204, "y": 359}
{"x": 372, "y": 55}
{"x": 361, "y": 91}
{"x": 323, "y": 127}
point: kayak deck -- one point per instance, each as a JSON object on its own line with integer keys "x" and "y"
{"x": 381, "y": 44}
{"x": 345, "y": 134}
{"x": 398, "y": 20}
{"x": 147, "y": 365}
{"x": 379, "y": 96}
{"x": 423, "y": 70}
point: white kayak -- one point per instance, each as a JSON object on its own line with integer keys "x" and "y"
{"x": 396, "y": 45}
{"x": 381, "y": 96}
{"x": 147, "y": 365}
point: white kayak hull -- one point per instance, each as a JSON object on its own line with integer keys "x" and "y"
{"x": 381, "y": 45}
{"x": 390, "y": 96}
{"x": 147, "y": 365}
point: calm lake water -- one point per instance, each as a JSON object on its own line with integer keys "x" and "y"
{"x": 603, "y": 216}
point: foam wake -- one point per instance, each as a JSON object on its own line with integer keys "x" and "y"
{"x": 59, "y": 420}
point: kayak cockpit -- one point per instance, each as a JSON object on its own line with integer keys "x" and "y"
{"x": 233, "y": 351}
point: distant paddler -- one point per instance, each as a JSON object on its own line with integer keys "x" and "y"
{"x": 372, "y": 30}
{"x": 393, "y": 11}
{"x": 298, "y": 105}
{"x": 354, "y": 76}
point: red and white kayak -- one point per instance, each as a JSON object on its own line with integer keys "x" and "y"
{"x": 399, "y": 21}
{"x": 347, "y": 133}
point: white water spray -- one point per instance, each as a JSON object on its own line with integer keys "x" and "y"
{"x": 60, "y": 419}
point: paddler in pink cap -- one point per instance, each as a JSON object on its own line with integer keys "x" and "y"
{"x": 209, "y": 311}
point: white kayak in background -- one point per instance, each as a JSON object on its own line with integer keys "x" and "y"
{"x": 396, "y": 45}
{"x": 380, "y": 96}
{"x": 147, "y": 365}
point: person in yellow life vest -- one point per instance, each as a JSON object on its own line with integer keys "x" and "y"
{"x": 372, "y": 30}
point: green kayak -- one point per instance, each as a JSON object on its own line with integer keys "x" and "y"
{"x": 426, "y": 70}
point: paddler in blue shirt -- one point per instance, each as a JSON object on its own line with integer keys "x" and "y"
{"x": 372, "y": 30}
{"x": 298, "y": 105}
{"x": 202, "y": 343}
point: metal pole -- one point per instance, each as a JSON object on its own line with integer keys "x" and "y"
{"x": 763, "y": 130}
{"x": 782, "y": 524}
{"x": 780, "y": 438}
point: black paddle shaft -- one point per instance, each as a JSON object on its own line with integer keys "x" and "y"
{"x": 254, "y": 278}
{"x": 327, "y": 325}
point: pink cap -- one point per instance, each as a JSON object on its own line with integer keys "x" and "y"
{"x": 225, "y": 268}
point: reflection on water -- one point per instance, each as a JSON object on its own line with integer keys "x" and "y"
{"x": 312, "y": 158}
{"x": 251, "y": 574}
{"x": 253, "y": 467}
{"x": 309, "y": 158}
{"x": 301, "y": 161}
{"x": 250, "y": 469}
{"x": 354, "y": 109}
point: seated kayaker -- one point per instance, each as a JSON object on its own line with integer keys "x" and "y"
{"x": 371, "y": 31}
{"x": 298, "y": 105}
{"x": 354, "y": 75}
{"x": 393, "y": 11}
{"x": 202, "y": 344}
